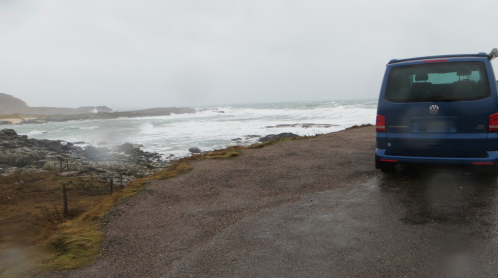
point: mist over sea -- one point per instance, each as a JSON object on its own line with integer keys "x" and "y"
{"x": 212, "y": 127}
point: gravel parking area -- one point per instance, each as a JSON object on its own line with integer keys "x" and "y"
{"x": 167, "y": 229}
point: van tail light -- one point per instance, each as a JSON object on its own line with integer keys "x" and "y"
{"x": 493, "y": 123}
{"x": 380, "y": 123}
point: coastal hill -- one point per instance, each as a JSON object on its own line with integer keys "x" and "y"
{"x": 12, "y": 105}
{"x": 16, "y": 111}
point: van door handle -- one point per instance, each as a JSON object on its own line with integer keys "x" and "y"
{"x": 433, "y": 145}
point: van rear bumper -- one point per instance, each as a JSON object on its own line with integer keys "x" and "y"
{"x": 381, "y": 154}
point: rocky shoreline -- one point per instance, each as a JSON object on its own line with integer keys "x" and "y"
{"x": 153, "y": 112}
{"x": 123, "y": 163}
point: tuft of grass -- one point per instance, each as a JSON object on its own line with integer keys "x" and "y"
{"x": 229, "y": 152}
{"x": 75, "y": 244}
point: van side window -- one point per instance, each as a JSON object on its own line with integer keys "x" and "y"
{"x": 460, "y": 81}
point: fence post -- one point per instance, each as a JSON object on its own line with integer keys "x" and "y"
{"x": 64, "y": 196}
{"x": 112, "y": 181}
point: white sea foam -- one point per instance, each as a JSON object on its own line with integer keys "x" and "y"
{"x": 34, "y": 132}
{"x": 212, "y": 127}
{"x": 89, "y": 127}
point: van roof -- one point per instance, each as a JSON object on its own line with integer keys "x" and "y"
{"x": 480, "y": 54}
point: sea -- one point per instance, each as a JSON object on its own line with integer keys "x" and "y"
{"x": 211, "y": 127}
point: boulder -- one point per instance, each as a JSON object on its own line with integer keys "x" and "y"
{"x": 8, "y": 132}
{"x": 194, "y": 150}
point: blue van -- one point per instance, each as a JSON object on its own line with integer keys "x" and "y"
{"x": 438, "y": 110}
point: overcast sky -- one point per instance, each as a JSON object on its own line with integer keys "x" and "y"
{"x": 141, "y": 54}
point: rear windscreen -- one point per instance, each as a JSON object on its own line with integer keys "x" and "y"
{"x": 438, "y": 82}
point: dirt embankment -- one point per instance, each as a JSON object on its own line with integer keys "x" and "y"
{"x": 165, "y": 231}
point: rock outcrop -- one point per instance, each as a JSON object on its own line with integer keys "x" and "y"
{"x": 18, "y": 153}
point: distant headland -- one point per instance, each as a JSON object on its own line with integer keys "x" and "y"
{"x": 12, "y": 105}
{"x": 16, "y": 111}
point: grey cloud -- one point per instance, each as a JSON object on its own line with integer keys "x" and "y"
{"x": 127, "y": 54}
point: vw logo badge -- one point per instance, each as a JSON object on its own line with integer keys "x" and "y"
{"x": 434, "y": 109}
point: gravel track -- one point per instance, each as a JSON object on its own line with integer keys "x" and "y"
{"x": 169, "y": 228}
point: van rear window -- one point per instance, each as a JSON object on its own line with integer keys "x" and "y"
{"x": 457, "y": 81}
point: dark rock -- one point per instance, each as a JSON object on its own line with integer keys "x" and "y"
{"x": 50, "y": 145}
{"x": 8, "y": 132}
{"x": 194, "y": 150}
{"x": 5, "y": 123}
{"x": 273, "y": 137}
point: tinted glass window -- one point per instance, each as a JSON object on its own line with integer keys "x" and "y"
{"x": 438, "y": 82}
